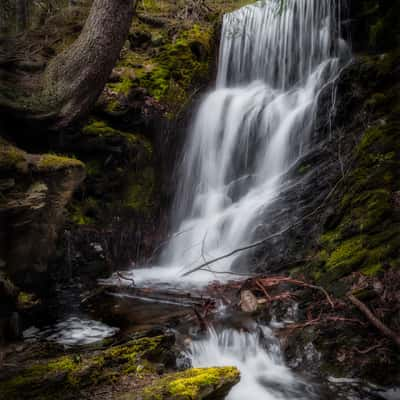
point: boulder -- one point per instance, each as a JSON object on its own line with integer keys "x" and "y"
{"x": 32, "y": 209}
{"x": 193, "y": 384}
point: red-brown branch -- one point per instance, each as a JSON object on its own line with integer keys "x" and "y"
{"x": 276, "y": 280}
{"x": 384, "y": 329}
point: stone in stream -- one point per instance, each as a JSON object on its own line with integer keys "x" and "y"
{"x": 248, "y": 302}
{"x": 193, "y": 384}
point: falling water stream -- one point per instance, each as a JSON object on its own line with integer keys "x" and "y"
{"x": 275, "y": 59}
{"x": 274, "y": 62}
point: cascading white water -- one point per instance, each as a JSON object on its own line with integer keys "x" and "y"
{"x": 263, "y": 375}
{"x": 274, "y": 61}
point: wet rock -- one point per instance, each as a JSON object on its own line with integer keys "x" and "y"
{"x": 33, "y": 212}
{"x": 75, "y": 375}
{"x": 248, "y": 302}
{"x": 193, "y": 384}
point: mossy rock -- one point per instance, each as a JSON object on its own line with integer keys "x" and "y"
{"x": 139, "y": 191}
{"x": 183, "y": 61}
{"x": 66, "y": 376}
{"x": 12, "y": 158}
{"x": 100, "y": 131}
{"x": 364, "y": 234}
{"x": 53, "y": 162}
{"x": 193, "y": 384}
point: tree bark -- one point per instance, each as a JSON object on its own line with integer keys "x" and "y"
{"x": 75, "y": 78}
{"x": 21, "y": 15}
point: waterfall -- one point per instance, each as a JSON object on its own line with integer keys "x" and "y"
{"x": 263, "y": 374}
{"x": 275, "y": 58}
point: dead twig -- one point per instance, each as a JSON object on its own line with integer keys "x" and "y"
{"x": 384, "y": 329}
{"x": 369, "y": 349}
{"x": 261, "y": 286}
{"x": 122, "y": 277}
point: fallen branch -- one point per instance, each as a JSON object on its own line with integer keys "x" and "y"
{"x": 384, "y": 329}
{"x": 229, "y": 273}
{"x": 369, "y": 349}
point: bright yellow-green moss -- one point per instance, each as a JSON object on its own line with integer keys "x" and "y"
{"x": 348, "y": 254}
{"x": 11, "y": 158}
{"x": 53, "y": 162}
{"x": 193, "y": 384}
{"x": 123, "y": 87}
{"x": 27, "y": 299}
{"x": 99, "y": 128}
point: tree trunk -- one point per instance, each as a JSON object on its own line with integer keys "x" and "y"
{"x": 21, "y": 13}
{"x": 75, "y": 78}
{"x": 68, "y": 88}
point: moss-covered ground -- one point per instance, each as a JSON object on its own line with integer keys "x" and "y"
{"x": 130, "y": 370}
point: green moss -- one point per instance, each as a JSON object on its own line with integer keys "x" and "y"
{"x": 372, "y": 270}
{"x": 84, "y": 212}
{"x": 93, "y": 168}
{"x": 348, "y": 254}
{"x": 33, "y": 379}
{"x": 139, "y": 193}
{"x": 184, "y": 62}
{"x": 304, "y": 168}
{"x": 193, "y": 384}
{"x": 377, "y": 100}
{"x": 123, "y": 87}
{"x": 26, "y": 299}
{"x": 67, "y": 375}
{"x": 366, "y": 233}
{"x": 98, "y": 128}
{"x": 11, "y": 158}
{"x": 376, "y": 32}
{"x": 53, "y": 162}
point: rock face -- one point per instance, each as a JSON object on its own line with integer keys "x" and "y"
{"x": 32, "y": 209}
{"x": 347, "y": 185}
{"x": 34, "y": 192}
